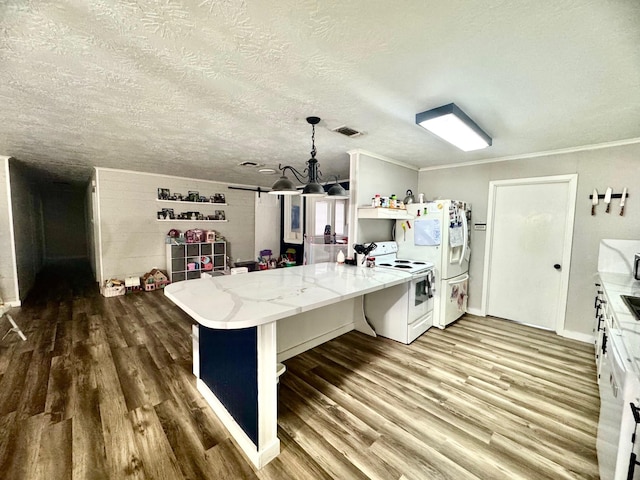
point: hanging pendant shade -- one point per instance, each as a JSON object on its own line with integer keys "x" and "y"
{"x": 312, "y": 189}
{"x": 336, "y": 191}
{"x": 284, "y": 186}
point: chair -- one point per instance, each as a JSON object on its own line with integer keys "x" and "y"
{"x": 4, "y": 309}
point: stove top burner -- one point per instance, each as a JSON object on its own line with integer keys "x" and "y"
{"x": 414, "y": 267}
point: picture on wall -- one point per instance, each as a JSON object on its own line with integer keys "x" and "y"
{"x": 295, "y": 218}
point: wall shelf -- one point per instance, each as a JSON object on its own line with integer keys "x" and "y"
{"x": 384, "y": 213}
{"x": 189, "y": 220}
{"x": 186, "y": 202}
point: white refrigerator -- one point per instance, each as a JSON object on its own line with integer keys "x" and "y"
{"x": 439, "y": 233}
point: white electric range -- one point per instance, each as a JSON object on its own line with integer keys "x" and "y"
{"x": 403, "y": 312}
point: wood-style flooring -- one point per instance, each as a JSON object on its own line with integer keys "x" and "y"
{"x": 102, "y": 389}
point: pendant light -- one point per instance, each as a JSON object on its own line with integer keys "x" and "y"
{"x": 336, "y": 191}
{"x": 284, "y": 186}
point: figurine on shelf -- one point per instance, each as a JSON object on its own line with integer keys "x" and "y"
{"x": 218, "y": 198}
{"x": 193, "y": 196}
{"x": 166, "y": 214}
{"x": 163, "y": 193}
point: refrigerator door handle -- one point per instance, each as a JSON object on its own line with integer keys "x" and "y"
{"x": 463, "y": 279}
{"x": 465, "y": 233}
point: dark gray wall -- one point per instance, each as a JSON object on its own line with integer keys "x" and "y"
{"x": 27, "y": 224}
{"x": 64, "y": 223}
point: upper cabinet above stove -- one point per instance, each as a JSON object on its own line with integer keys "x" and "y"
{"x": 384, "y": 213}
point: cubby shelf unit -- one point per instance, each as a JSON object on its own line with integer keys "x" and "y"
{"x": 186, "y": 261}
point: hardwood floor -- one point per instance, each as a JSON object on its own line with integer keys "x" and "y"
{"x": 103, "y": 389}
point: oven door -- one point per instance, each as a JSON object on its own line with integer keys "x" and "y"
{"x": 419, "y": 301}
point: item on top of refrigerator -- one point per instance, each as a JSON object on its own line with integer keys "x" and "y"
{"x": 409, "y": 198}
{"x": 392, "y": 201}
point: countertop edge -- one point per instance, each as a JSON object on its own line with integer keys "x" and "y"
{"x": 294, "y": 310}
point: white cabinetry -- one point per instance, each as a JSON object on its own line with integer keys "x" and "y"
{"x": 598, "y": 329}
{"x": 618, "y": 377}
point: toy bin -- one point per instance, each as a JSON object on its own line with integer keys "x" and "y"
{"x": 113, "y": 291}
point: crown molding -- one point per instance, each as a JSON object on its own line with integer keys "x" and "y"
{"x": 561, "y": 151}
{"x": 383, "y": 158}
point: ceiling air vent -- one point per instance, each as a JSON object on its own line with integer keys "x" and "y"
{"x": 349, "y": 132}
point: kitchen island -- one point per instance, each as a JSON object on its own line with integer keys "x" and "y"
{"x": 247, "y": 323}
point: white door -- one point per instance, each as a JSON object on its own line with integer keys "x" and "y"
{"x": 528, "y": 249}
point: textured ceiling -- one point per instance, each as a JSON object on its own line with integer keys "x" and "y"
{"x": 192, "y": 88}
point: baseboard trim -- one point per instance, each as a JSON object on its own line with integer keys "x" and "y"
{"x": 579, "y": 336}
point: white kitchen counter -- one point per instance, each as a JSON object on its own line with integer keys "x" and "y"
{"x": 248, "y": 300}
{"x": 625, "y": 324}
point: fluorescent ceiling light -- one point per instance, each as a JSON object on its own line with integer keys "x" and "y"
{"x": 453, "y": 125}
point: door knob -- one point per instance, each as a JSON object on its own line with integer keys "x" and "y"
{"x": 557, "y": 266}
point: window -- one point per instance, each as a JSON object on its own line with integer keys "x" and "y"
{"x": 322, "y": 212}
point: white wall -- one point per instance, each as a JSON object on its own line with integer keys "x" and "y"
{"x": 371, "y": 174}
{"x": 8, "y": 274}
{"x": 27, "y": 225}
{"x": 617, "y": 167}
{"x": 132, "y": 241}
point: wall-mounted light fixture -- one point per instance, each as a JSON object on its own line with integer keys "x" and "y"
{"x": 453, "y": 125}
{"x": 284, "y": 186}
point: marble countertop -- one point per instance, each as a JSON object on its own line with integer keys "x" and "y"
{"x": 256, "y": 298}
{"x": 626, "y": 327}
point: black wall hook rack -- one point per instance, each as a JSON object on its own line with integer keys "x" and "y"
{"x": 613, "y": 195}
